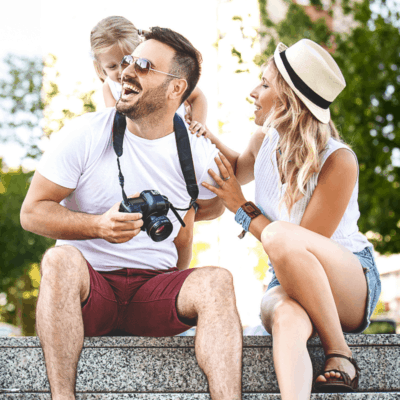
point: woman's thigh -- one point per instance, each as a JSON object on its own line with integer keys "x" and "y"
{"x": 285, "y": 243}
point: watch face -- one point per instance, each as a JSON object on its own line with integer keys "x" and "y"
{"x": 249, "y": 207}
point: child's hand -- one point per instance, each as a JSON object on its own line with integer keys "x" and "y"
{"x": 198, "y": 129}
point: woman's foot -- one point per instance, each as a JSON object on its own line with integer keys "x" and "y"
{"x": 337, "y": 363}
{"x": 331, "y": 380}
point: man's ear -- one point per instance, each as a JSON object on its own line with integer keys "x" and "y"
{"x": 176, "y": 88}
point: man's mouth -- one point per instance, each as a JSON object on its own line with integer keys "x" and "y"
{"x": 258, "y": 108}
{"x": 129, "y": 88}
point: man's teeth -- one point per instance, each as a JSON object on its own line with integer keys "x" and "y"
{"x": 132, "y": 88}
{"x": 258, "y": 108}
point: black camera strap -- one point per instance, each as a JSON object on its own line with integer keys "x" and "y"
{"x": 185, "y": 158}
{"x": 184, "y": 154}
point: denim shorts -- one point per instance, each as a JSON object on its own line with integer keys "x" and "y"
{"x": 371, "y": 273}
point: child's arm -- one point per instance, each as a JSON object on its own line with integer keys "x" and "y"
{"x": 184, "y": 241}
{"x": 108, "y": 97}
{"x": 198, "y": 105}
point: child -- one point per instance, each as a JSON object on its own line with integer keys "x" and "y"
{"x": 110, "y": 40}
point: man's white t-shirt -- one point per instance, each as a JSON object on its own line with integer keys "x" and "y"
{"x": 81, "y": 157}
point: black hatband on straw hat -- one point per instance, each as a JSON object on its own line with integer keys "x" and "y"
{"x": 302, "y": 87}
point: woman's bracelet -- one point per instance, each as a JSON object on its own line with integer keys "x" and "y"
{"x": 245, "y": 214}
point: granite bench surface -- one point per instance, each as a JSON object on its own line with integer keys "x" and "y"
{"x": 194, "y": 396}
{"x": 166, "y": 368}
{"x": 188, "y": 341}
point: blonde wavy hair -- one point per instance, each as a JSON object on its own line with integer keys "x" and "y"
{"x": 109, "y": 32}
{"x": 302, "y": 138}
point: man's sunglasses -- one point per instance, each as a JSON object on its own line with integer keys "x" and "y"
{"x": 142, "y": 66}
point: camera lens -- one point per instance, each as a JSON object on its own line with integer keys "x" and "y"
{"x": 158, "y": 228}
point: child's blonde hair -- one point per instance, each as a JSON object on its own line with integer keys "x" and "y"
{"x": 302, "y": 141}
{"x": 109, "y": 32}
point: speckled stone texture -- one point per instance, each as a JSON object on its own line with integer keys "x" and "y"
{"x": 194, "y": 396}
{"x": 153, "y": 366}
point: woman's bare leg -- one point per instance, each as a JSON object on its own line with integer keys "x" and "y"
{"x": 290, "y": 327}
{"x": 325, "y": 278}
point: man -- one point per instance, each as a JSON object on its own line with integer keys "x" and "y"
{"x": 101, "y": 251}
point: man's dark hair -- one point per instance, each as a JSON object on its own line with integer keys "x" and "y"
{"x": 186, "y": 61}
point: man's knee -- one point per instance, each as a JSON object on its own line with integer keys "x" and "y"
{"x": 61, "y": 262}
{"x": 208, "y": 288}
{"x": 215, "y": 280}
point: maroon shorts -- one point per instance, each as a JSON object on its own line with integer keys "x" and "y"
{"x": 134, "y": 302}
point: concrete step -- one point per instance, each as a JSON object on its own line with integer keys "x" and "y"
{"x": 161, "y": 368}
{"x": 194, "y": 396}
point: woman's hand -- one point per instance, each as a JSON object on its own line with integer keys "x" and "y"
{"x": 229, "y": 190}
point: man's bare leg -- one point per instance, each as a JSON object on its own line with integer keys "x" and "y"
{"x": 64, "y": 285}
{"x": 208, "y": 294}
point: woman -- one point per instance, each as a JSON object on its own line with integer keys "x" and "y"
{"x": 325, "y": 279}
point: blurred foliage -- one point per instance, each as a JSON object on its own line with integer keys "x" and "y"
{"x": 21, "y": 105}
{"x": 367, "y": 111}
{"x": 379, "y": 327}
{"x": 379, "y": 321}
{"x": 19, "y": 302}
{"x": 198, "y": 248}
{"x": 20, "y": 251}
{"x": 32, "y": 108}
{"x": 260, "y": 270}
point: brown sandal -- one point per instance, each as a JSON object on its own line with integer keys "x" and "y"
{"x": 337, "y": 385}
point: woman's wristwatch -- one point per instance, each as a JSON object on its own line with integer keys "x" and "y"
{"x": 245, "y": 214}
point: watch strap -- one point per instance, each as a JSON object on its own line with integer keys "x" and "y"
{"x": 245, "y": 214}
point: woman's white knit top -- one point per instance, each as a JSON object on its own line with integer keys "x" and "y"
{"x": 269, "y": 191}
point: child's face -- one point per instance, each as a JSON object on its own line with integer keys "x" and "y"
{"x": 110, "y": 61}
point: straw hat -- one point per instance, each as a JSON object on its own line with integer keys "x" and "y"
{"x": 313, "y": 75}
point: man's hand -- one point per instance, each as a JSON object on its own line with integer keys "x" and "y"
{"x": 119, "y": 227}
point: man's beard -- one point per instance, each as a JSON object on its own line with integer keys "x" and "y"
{"x": 152, "y": 101}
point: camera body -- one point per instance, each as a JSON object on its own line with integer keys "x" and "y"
{"x": 154, "y": 207}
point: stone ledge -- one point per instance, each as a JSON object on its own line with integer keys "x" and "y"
{"x": 168, "y": 365}
{"x": 176, "y": 341}
{"x": 193, "y": 396}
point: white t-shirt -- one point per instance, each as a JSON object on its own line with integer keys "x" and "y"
{"x": 81, "y": 157}
{"x": 116, "y": 90}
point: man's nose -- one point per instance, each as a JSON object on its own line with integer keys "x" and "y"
{"x": 127, "y": 71}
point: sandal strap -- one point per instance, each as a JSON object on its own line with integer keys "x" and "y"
{"x": 351, "y": 359}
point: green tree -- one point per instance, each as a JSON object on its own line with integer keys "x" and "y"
{"x": 21, "y": 102}
{"x": 19, "y": 251}
{"x": 366, "y": 112}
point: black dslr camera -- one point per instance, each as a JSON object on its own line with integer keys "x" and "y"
{"x": 154, "y": 208}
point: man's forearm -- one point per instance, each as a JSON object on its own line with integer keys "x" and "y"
{"x": 209, "y": 213}
{"x": 52, "y": 220}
